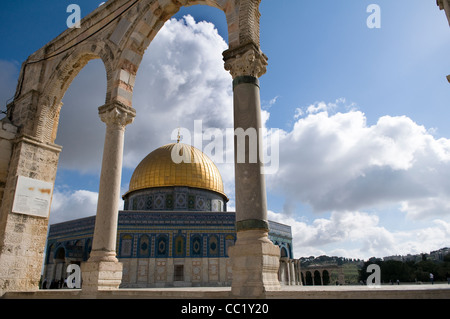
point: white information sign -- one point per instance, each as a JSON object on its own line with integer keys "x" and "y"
{"x": 32, "y": 197}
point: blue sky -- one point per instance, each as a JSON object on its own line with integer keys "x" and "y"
{"x": 362, "y": 114}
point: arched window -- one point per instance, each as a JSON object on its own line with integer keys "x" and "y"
{"x": 126, "y": 245}
{"x": 196, "y": 246}
{"x": 309, "y": 278}
{"x": 325, "y": 277}
{"x": 213, "y": 246}
{"x": 87, "y": 249}
{"x": 144, "y": 246}
{"x": 162, "y": 246}
{"x": 60, "y": 254}
{"x": 317, "y": 278}
{"x": 179, "y": 246}
{"x": 284, "y": 252}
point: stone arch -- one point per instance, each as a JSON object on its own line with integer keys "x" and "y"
{"x": 317, "y": 278}
{"x": 67, "y": 69}
{"x": 326, "y": 277}
{"x": 121, "y": 43}
{"x": 60, "y": 254}
{"x": 119, "y": 32}
{"x": 309, "y": 278}
{"x": 134, "y": 36}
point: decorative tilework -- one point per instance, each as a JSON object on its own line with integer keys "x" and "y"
{"x": 159, "y": 201}
{"x": 213, "y": 246}
{"x": 191, "y": 202}
{"x": 179, "y": 198}
{"x": 200, "y": 203}
{"x": 126, "y": 246}
{"x": 169, "y": 201}
{"x": 149, "y": 202}
{"x": 143, "y": 234}
{"x": 162, "y": 246}
{"x": 179, "y": 250}
{"x": 180, "y": 201}
{"x": 196, "y": 246}
{"x": 141, "y": 203}
{"x": 144, "y": 246}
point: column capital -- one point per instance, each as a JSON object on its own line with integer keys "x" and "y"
{"x": 246, "y": 60}
{"x": 117, "y": 114}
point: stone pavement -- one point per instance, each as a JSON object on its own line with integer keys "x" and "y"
{"x": 425, "y": 291}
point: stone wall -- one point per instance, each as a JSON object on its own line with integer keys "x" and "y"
{"x": 22, "y": 237}
{"x": 7, "y": 135}
{"x": 160, "y": 272}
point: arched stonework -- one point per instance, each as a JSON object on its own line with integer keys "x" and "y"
{"x": 119, "y": 32}
{"x": 317, "y": 272}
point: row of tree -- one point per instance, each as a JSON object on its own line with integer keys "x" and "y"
{"x": 408, "y": 271}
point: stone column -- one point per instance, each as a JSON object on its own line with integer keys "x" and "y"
{"x": 103, "y": 271}
{"x": 255, "y": 260}
{"x": 299, "y": 271}
{"x": 289, "y": 273}
{"x": 293, "y": 276}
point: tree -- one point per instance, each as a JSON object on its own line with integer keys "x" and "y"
{"x": 447, "y": 258}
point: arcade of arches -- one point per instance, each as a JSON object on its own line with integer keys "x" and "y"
{"x": 291, "y": 273}
{"x": 118, "y": 33}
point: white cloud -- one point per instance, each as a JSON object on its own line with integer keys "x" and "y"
{"x": 339, "y": 163}
{"x": 360, "y": 235}
{"x": 68, "y": 205}
{"x": 333, "y": 161}
{"x": 181, "y": 79}
{"x": 80, "y": 130}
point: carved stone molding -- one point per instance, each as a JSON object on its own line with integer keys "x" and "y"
{"x": 247, "y": 60}
{"x": 117, "y": 114}
{"x": 444, "y": 5}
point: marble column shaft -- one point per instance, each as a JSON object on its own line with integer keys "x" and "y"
{"x": 103, "y": 270}
{"x": 116, "y": 118}
{"x": 254, "y": 258}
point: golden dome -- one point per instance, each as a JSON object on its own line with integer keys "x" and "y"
{"x": 158, "y": 169}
